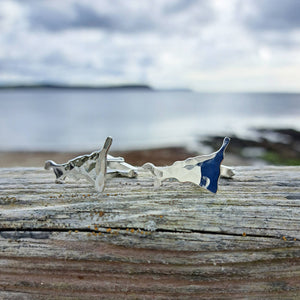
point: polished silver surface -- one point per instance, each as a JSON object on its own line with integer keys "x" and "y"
{"x": 202, "y": 170}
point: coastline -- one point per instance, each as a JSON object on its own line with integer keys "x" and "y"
{"x": 269, "y": 147}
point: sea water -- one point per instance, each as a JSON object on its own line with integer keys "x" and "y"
{"x": 74, "y": 120}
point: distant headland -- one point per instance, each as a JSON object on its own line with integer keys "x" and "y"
{"x": 121, "y": 87}
{"x": 78, "y": 87}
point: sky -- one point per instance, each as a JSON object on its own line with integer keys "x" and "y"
{"x": 204, "y": 45}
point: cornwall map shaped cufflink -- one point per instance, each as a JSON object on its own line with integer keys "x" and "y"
{"x": 92, "y": 167}
{"x": 202, "y": 170}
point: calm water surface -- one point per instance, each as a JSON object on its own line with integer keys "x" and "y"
{"x": 67, "y": 120}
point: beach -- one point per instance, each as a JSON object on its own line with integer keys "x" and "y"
{"x": 160, "y": 157}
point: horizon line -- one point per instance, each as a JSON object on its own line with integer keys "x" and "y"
{"x": 134, "y": 86}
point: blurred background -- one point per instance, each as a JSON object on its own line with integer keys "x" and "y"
{"x": 165, "y": 78}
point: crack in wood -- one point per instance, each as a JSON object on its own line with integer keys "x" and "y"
{"x": 123, "y": 229}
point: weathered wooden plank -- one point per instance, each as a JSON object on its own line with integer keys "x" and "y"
{"x": 136, "y": 242}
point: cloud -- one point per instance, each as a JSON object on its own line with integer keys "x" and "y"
{"x": 272, "y": 24}
{"x": 42, "y": 16}
{"x": 262, "y": 15}
{"x": 117, "y": 16}
{"x": 51, "y": 18}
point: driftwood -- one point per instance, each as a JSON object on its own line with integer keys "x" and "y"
{"x": 65, "y": 241}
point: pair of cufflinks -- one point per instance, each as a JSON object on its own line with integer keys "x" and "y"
{"x": 202, "y": 170}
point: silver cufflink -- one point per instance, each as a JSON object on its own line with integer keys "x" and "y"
{"x": 202, "y": 170}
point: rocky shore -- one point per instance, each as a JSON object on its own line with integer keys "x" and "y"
{"x": 267, "y": 146}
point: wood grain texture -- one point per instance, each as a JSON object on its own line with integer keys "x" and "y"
{"x": 179, "y": 242}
